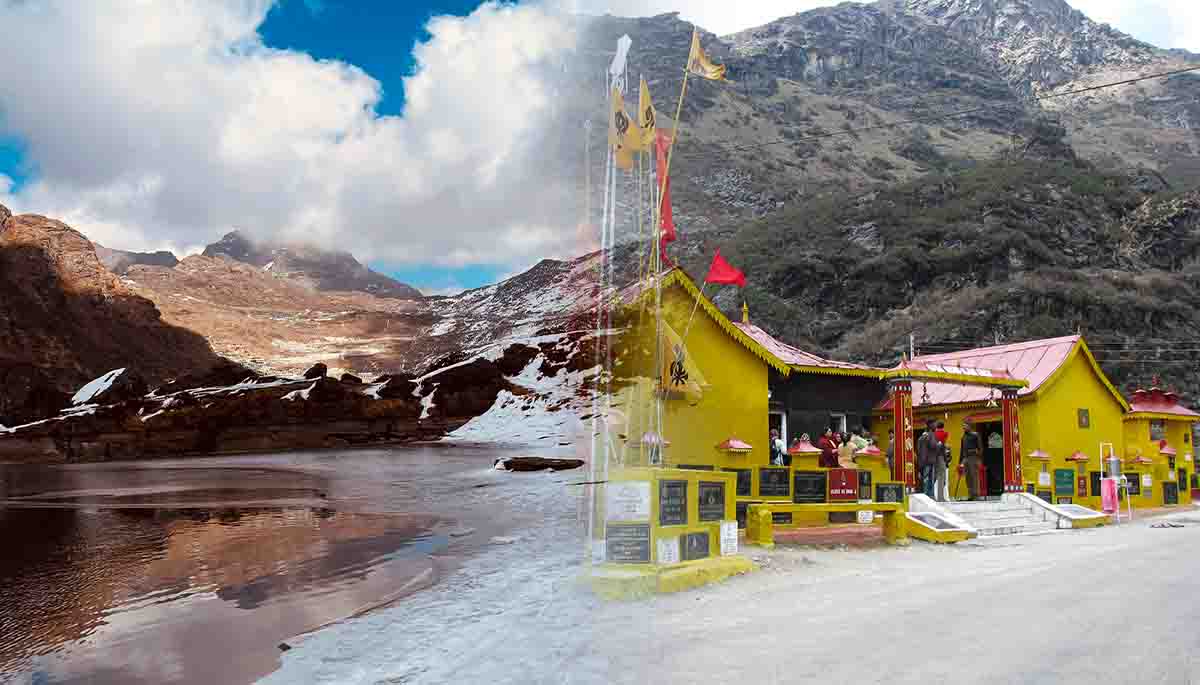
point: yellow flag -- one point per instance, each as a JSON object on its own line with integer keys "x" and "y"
{"x": 700, "y": 65}
{"x": 623, "y": 132}
{"x": 647, "y": 116}
{"x": 680, "y": 375}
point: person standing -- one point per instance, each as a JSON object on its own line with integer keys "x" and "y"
{"x": 891, "y": 453}
{"x": 828, "y": 446}
{"x": 929, "y": 451}
{"x": 970, "y": 455}
{"x": 846, "y": 452}
{"x": 942, "y": 463}
{"x": 778, "y": 449}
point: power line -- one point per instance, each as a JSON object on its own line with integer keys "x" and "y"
{"x": 948, "y": 115}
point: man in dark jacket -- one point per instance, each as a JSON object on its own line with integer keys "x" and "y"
{"x": 971, "y": 456}
{"x": 929, "y": 458}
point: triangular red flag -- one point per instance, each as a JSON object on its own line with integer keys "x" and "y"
{"x": 662, "y": 145}
{"x": 723, "y": 273}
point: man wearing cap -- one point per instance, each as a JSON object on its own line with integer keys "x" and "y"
{"x": 970, "y": 455}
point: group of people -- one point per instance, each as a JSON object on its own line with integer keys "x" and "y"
{"x": 934, "y": 458}
{"x": 933, "y": 454}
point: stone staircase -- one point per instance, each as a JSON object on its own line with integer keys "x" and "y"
{"x": 1009, "y": 517}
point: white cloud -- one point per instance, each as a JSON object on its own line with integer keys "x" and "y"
{"x": 163, "y": 124}
{"x": 1165, "y": 23}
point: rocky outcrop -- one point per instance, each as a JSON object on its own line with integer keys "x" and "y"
{"x": 321, "y": 269}
{"x": 65, "y": 319}
{"x": 120, "y": 261}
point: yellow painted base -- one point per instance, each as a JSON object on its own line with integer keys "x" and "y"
{"x": 1091, "y": 522}
{"x": 920, "y": 531}
{"x": 626, "y": 581}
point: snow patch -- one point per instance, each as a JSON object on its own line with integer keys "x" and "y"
{"x": 87, "y": 392}
{"x": 299, "y": 394}
{"x": 427, "y": 402}
{"x": 147, "y": 417}
{"x": 372, "y": 391}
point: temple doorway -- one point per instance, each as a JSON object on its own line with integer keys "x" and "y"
{"x": 992, "y": 434}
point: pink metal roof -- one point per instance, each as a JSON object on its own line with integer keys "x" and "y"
{"x": 1159, "y": 402}
{"x": 1033, "y": 361}
{"x": 791, "y": 355}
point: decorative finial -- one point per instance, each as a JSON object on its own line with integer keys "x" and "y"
{"x": 745, "y": 312}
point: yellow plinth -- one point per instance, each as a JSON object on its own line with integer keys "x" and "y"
{"x": 623, "y": 581}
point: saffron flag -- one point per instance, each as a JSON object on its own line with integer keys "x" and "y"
{"x": 723, "y": 273}
{"x": 623, "y": 133}
{"x": 647, "y": 116}
{"x": 667, "y": 221}
{"x": 700, "y": 65}
{"x": 681, "y": 378}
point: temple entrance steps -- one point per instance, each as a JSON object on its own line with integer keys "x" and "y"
{"x": 1005, "y": 517}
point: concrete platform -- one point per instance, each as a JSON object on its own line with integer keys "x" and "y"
{"x": 629, "y": 581}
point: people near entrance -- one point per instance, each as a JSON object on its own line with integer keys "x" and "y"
{"x": 891, "y": 451}
{"x": 778, "y": 449}
{"x": 828, "y": 445}
{"x": 970, "y": 455}
{"x": 846, "y": 452}
{"x": 942, "y": 473}
{"x": 859, "y": 440}
{"x": 930, "y": 457}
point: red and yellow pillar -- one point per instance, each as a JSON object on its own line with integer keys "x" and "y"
{"x": 903, "y": 456}
{"x": 1013, "y": 481}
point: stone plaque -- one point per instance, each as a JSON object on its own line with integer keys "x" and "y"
{"x": 1064, "y": 500}
{"x": 668, "y": 550}
{"x": 695, "y": 546}
{"x": 1135, "y": 484}
{"x": 729, "y": 538}
{"x": 695, "y": 467}
{"x": 889, "y": 492}
{"x": 712, "y": 501}
{"x": 810, "y": 487}
{"x": 864, "y": 486}
{"x": 627, "y": 501}
{"x": 744, "y": 478}
{"x": 773, "y": 483}
{"x": 672, "y": 502}
{"x": 1046, "y": 495}
{"x": 628, "y": 543}
{"x": 784, "y": 517}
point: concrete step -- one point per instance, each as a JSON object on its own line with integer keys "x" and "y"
{"x": 983, "y": 517}
{"x": 967, "y": 508}
{"x": 1039, "y": 527}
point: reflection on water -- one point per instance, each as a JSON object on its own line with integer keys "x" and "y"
{"x": 183, "y": 574}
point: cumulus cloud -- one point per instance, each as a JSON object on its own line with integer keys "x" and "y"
{"x": 163, "y": 124}
{"x": 1165, "y": 23}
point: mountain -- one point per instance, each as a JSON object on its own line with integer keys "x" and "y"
{"x": 119, "y": 261}
{"x": 65, "y": 320}
{"x": 320, "y": 269}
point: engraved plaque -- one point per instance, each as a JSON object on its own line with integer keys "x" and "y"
{"x": 1046, "y": 495}
{"x": 864, "y": 485}
{"x": 889, "y": 492}
{"x": 628, "y": 543}
{"x": 695, "y": 546}
{"x": 627, "y": 501}
{"x": 672, "y": 502}
{"x": 1064, "y": 500}
{"x": 843, "y": 485}
{"x": 778, "y": 517}
{"x": 744, "y": 478}
{"x": 773, "y": 483}
{"x": 712, "y": 501}
{"x": 1135, "y": 483}
{"x": 668, "y": 550}
{"x": 810, "y": 487}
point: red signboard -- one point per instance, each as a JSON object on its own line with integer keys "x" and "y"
{"x": 903, "y": 457}
{"x": 1012, "y": 442}
{"x": 843, "y": 485}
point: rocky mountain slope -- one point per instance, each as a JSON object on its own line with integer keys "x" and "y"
{"x": 321, "y": 269}
{"x": 65, "y": 319}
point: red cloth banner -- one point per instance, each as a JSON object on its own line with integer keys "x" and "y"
{"x": 667, "y": 224}
{"x": 723, "y": 273}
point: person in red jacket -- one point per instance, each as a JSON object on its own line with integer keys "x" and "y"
{"x": 829, "y": 446}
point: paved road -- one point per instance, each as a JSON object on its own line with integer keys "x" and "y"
{"x": 1113, "y": 605}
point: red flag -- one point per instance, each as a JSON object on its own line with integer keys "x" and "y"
{"x": 663, "y": 144}
{"x": 723, "y": 273}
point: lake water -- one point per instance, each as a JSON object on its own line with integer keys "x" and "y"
{"x": 195, "y": 571}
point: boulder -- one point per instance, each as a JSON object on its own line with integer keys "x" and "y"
{"x": 118, "y": 385}
{"x": 318, "y": 370}
{"x": 29, "y": 394}
{"x": 223, "y": 374}
{"x": 398, "y": 386}
{"x": 536, "y": 464}
{"x": 351, "y": 379}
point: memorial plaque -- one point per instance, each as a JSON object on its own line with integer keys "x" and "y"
{"x": 773, "y": 483}
{"x": 864, "y": 485}
{"x": 1044, "y": 479}
{"x": 843, "y": 485}
{"x": 729, "y": 538}
{"x": 843, "y": 516}
{"x": 1147, "y": 481}
{"x": 866, "y": 516}
{"x": 668, "y": 550}
{"x": 889, "y": 492}
{"x": 628, "y": 543}
{"x": 695, "y": 546}
{"x": 627, "y": 501}
{"x": 784, "y": 517}
{"x": 695, "y": 467}
{"x": 1094, "y": 485}
{"x": 745, "y": 477}
{"x": 1064, "y": 500}
{"x": 1064, "y": 482}
{"x": 712, "y": 501}
{"x": 810, "y": 487}
{"x": 672, "y": 502}
{"x": 1082, "y": 483}
{"x": 1135, "y": 483}
{"x": 1170, "y": 493}
{"x": 1046, "y": 495}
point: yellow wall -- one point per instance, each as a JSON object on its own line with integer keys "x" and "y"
{"x": 652, "y": 476}
{"x": 1137, "y": 441}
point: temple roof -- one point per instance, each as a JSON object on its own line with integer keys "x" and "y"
{"x": 1158, "y": 401}
{"x": 795, "y": 357}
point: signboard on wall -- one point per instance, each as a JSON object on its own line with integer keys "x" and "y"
{"x": 809, "y": 487}
{"x": 729, "y": 538}
{"x": 628, "y": 543}
{"x": 672, "y": 502}
{"x": 773, "y": 482}
{"x": 744, "y": 478}
{"x": 627, "y": 501}
{"x": 668, "y": 550}
{"x": 1064, "y": 482}
{"x": 843, "y": 485}
{"x": 712, "y": 501}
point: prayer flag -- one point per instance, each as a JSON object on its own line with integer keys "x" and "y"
{"x": 700, "y": 65}
{"x": 647, "y": 117}
{"x": 667, "y": 223}
{"x": 623, "y": 133}
{"x": 723, "y": 273}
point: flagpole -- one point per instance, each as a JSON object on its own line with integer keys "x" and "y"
{"x": 675, "y": 129}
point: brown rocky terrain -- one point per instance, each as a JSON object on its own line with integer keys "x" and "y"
{"x": 66, "y": 319}
{"x": 119, "y": 261}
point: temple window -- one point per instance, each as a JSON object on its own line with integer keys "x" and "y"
{"x": 1085, "y": 419}
{"x": 1158, "y": 429}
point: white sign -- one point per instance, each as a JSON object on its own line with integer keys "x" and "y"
{"x": 1044, "y": 478}
{"x": 1147, "y": 481}
{"x": 668, "y": 550}
{"x": 1170, "y": 475}
{"x": 627, "y": 501}
{"x": 866, "y": 516}
{"x": 729, "y": 538}
{"x": 599, "y": 551}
